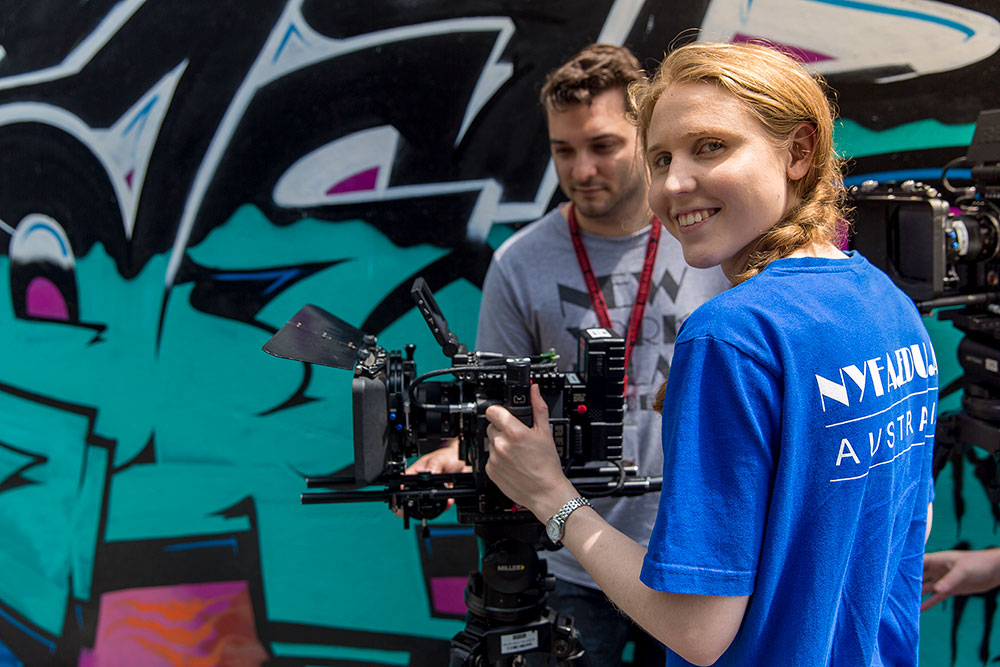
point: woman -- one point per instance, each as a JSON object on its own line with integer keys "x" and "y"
{"x": 798, "y": 420}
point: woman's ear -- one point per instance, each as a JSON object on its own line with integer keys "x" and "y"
{"x": 803, "y": 141}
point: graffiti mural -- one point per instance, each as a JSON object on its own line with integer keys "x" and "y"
{"x": 178, "y": 178}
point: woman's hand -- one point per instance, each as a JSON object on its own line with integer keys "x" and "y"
{"x": 523, "y": 461}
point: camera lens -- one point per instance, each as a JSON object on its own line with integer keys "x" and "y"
{"x": 973, "y": 236}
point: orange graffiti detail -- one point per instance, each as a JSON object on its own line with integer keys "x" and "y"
{"x": 176, "y": 626}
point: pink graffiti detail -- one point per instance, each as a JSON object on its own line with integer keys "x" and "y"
{"x": 43, "y": 299}
{"x": 128, "y": 178}
{"x": 803, "y": 54}
{"x": 195, "y": 625}
{"x": 364, "y": 180}
{"x": 448, "y": 594}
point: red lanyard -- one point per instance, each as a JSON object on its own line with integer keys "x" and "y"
{"x": 597, "y": 296}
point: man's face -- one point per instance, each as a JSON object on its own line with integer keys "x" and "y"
{"x": 594, "y": 149}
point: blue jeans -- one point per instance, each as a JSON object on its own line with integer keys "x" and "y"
{"x": 604, "y": 631}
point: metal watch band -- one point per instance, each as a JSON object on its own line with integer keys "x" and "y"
{"x": 568, "y": 508}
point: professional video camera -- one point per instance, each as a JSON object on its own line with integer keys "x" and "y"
{"x": 945, "y": 255}
{"x": 398, "y": 415}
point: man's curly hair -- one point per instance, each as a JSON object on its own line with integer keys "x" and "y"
{"x": 595, "y": 69}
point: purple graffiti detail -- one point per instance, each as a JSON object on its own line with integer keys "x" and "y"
{"x": 804, "y": 54}
{"x": 128, "y": 178}
{"x": 364, "y": 180}
{"x": 448, "y": 594}
{"x": 43, "y": 299}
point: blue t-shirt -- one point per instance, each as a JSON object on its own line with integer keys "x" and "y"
{"x": 798, "y": 432}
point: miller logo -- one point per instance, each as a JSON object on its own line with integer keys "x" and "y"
{"x": 510, "y": 568}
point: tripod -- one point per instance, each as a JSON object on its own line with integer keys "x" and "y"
{"x": 509, "y": 623}
{"x": 508, "y": 618}
{"x": 978, "y": 422}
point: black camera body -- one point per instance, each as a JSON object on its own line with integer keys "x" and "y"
{"x": 930, "y": 248}
{"x": 398, "y": 414}
{"x": 939, "y": 251}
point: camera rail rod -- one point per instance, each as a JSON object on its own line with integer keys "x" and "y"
{"x": 464, "y": 486}
{"x": 961, "y": 300}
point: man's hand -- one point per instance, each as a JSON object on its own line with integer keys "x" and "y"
{"x": 523, "y": 461}
{"x": 442, "y": 460}
{"x": 948, "y": 573}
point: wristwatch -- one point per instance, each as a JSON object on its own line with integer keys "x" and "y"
{"x": 555, "y": 526}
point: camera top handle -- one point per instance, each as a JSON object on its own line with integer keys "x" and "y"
{"x": 432, "y": 314}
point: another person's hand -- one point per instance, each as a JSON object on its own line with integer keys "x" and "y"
{"x": 442, "y": 460}
{"x": 523, "y": 461}
{"x": 948, "y": 573}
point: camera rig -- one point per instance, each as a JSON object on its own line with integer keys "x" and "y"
{"x": 944, "y": 253}
{"x": 398, "y": 415}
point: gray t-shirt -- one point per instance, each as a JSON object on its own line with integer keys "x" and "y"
{"x": 535, "y": 299}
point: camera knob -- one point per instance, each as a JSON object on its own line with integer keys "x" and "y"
{"x": 518, "y": 384}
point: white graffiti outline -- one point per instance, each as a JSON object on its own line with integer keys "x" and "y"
{"x": 918, "y": 37}
{"x": 291, "y": 45}
{"x": 126, "y": 147}
{"x": 277, "y": 59}
{"x": 78, "y": 58}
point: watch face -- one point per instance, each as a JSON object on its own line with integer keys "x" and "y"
{"x": 552, "y": 530}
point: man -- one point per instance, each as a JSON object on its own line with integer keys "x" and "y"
{"x": 535, "y": 298}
